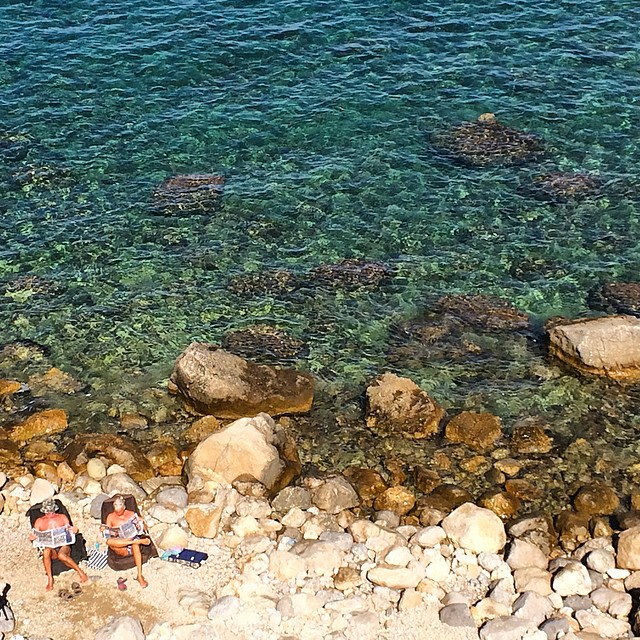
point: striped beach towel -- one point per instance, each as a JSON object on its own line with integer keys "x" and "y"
{"x": 97, "y": 559}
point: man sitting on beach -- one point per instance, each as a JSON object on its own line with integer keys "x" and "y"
{"x": 48, "y": 521}
{"x": 129, "y": 545}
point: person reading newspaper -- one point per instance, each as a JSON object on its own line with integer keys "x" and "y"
{"x": 54, "y": 534}
{"x": 125, "y": 531}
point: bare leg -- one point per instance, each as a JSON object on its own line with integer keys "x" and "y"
{"x": 66, "y": 559}
{"x": 46, "y": 560}
{"x": 119, "y": 546}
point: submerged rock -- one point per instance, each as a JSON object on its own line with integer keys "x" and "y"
{"x": 215, "y": 382}
{"x": 565, "y": 186}
{"x": 350, "y": 274}
{"x": 43, "y": 423}
{"x": 477, "y": 430}
{"x": 190, "y": 192}
{"x": 487, "y": 142}
{"x": 275, "y": 281}
{"x": 486, "y": 312}
{"x": 398, "y": 405}
{"x": 608, "y": 346}
{"x": 619, "y": 297}
{"x": 264, "y": 342}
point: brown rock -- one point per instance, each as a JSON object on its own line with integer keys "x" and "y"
{"x": 484, "y": 312}
{"x": 477, "y": 430}
{"x": 65, "y": 472}
{"x": 347, "y": 578}
{"x": 116, "y": 449}
{"x": 54, "y": 380}
{"x": 447, "y": 497}
{"x": 203, "y": 520}
{"x": 442, "y": 461}
{"x": 9, "y": 387}
{"x": 368, "y": 483}
{"x": 395, "y": 468}
{"x": 523, "y": 489}
{"x": 475, "y": 464}
{"x": 400, "y": 500}
{"x": 508, "y": 466}
{"x": 398, "y": 405}
{"x": 133, "y": 420}
{"x": 9, "y": 454}
{"x": 529, "y": 438}
{"x": 620, "y": 297}
{"x": 41, "y": 451}
{"x": 426, "y": 480}
{"x": 503, "y": 504}
{"x": 44, "y": 423}
{"x": 596, "y": 499}
{"x": 635, "y": 501}
{"x": 46, "y": 471}
{"x": 201, "y": 429}
{"x": 573, "y": 529}
{"x": 163, "y": 457}
{"x": 218, "y": 383}
{"x": 608, "y": 346}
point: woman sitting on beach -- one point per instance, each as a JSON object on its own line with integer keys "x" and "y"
{"x": 49, "y": 521}
{"x": 125, "y": 532}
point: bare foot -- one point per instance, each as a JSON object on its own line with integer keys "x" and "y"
{"x": 143, "y": 583}
{"x": 49, "y": 586}
{"x": 83, "y": 576}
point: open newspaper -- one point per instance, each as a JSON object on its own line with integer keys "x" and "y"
{"x": 54, "y": 538}
{"x": 127, "y": 530}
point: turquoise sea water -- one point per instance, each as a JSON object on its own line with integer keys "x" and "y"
{"x": 320, "y": 114}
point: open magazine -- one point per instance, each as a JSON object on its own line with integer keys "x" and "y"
{"x": 127, "y": 530}
{"x": 54, "y": 538}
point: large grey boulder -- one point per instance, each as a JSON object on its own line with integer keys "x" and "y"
{"x": 215, "y": 382}
{"x": 608, "y": 346}
{"x": 249, "y": 447}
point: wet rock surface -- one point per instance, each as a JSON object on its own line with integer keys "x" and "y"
{"x": 617, "y": 297}
{"x": 487, "y": 142}
{"x": 215, "y": 382}
{"x": 349, "y": 274}
{"x": 264, "y": 343}
{"x": 565, "y": 186}
{"x": 608, "y": 346}
{"x": 188, "y": 193}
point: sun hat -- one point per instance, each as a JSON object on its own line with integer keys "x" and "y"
{"x": 49, "y": 506}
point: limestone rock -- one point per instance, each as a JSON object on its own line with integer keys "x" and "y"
{"x": 629, "y": 549}
{"x": 608, "y": 346}
{"x": 368, "y": 483}
{"x": 529, "y": 437}
{"x": 9, "y": 454}
{"x": 456, "y": 615}
{"x": 43, "y": 423}
{"x": 398, "y": 405}
{"x": 503, "y": 504}
{"x": 121, "y": 628}
{"x": 524, "y": 554}
{"x": 290, "y": 498}
{"x": 506, "y": 628}
{"x": 573, "y": 579}
{"x": 41, "y": 490}
{"x": 477, "y": 430}
{"x": 96, "y": 468}
{"x": 172, "y": 537}
{"x": 215, "y": 382}
{"x": 322, "y": 558}
{"x": 475, "y": 529}
{"x": 284, "y": 565}
{"x": 122, "y": 483}
{"x": 394, "y": 577}
{"x": 246, "y": 448}
{"x": 335, "y": 495}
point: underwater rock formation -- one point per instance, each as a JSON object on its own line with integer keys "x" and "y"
{"x": 215, "y": 382}
{"x": 564, "y": 186}
{"x": 190, "y": 192}
{"x": 485, "y": 312}
{"x": 608, "y": 346}
{"x": 398, "y": 405}
{"x": 350, "y": 274}
{"x": 275, "y": 281}
{"x": 264, "y": 343}
{"x": 487, "y": 142}
{"x": 619, "y": 297}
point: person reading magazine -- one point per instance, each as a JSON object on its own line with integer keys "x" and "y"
{"x": 54, "y": 534}
{"x": 125, "y": 532}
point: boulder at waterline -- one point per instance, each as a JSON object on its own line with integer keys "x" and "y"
{"x": 43, "y": 423}
{"x": 215, "y": 382}
{"x": 608, "y": 346}
{"x": 249, "y": 447}
{"x": 477, "y": 430}
{"x": 398, "y": 405}
{"x": 475, "y": 529}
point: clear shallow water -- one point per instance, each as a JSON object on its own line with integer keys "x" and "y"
{"x": 320, "y": 114}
